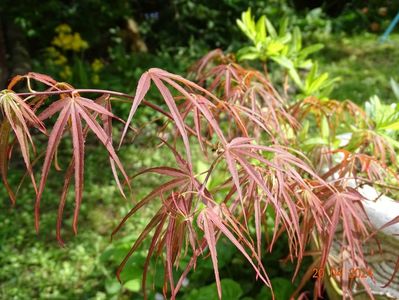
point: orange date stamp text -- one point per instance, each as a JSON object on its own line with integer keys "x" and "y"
{"x": 353, "y": 273}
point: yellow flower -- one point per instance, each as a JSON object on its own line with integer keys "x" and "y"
{"x": 63, "y": 28}
{"x": 76, "y": 42}
{"x": 97, "y": 65}
{"x": 51, "y": 51}
{"x": 66, "y": 40}
{"x": 61, "y": 60}
{"x": 95, "y": 79}
{"x": 63, "y": 41}
{"x": 55, "y": 56}
{"x": 66, "y": 73}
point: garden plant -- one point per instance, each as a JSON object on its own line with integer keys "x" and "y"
{"x": 278, "y": 158}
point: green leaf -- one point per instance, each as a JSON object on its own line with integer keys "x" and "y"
{"x": 303, "y": 133}
{"x": 392, "y": 126}
{"x": 112, "y": 286}
{"x": 274, "y": 47}
{"x": 132, "y": 271}
{"x": 295, "y": 77}
{"x": 225, "y": 250}
{"x": 270, "y": 28}
{"x": 312, "y": 142}
{"x": 247, "y": 25}
{"x": 283, "y": 26}
{"x": 133, "y": 285}
{"x": 374, "y": 109}
{"x": 261, "y": 30}
{"x": 311, "y": 76}
{"x": 231, "y": 290}
{"x": 249, "y": 22}
{"x": 283, "y": 61}
{"x": 201, "y": 168}
{"x": 247, "y": 17}
{"x": 241, "y": 25}
{"x": 285, "y": 39}
{"x": 317, "y": 83}
{"x": 248, "y": 53}
{"x": 81, "y": 72}
{"x": 282, "y": 288}
{"x": 297, "y": 39}
{"x": 325, "y": 130}
{"x": 305, "y": 52}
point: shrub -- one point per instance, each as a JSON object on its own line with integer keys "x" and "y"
{"x": 258, "y": 164}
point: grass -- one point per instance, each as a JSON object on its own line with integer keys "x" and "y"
{"x": 364, "y": 64}
{"x": 35, "y": 267}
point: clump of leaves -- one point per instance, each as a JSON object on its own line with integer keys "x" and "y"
{"x": 72, "y": 110}
{"x": 245, "y": 132}
{"x": 18, "y": 117}
{"x": 284, "y": 47}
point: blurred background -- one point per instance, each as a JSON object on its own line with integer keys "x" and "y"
{"x": 108, "y": 45}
